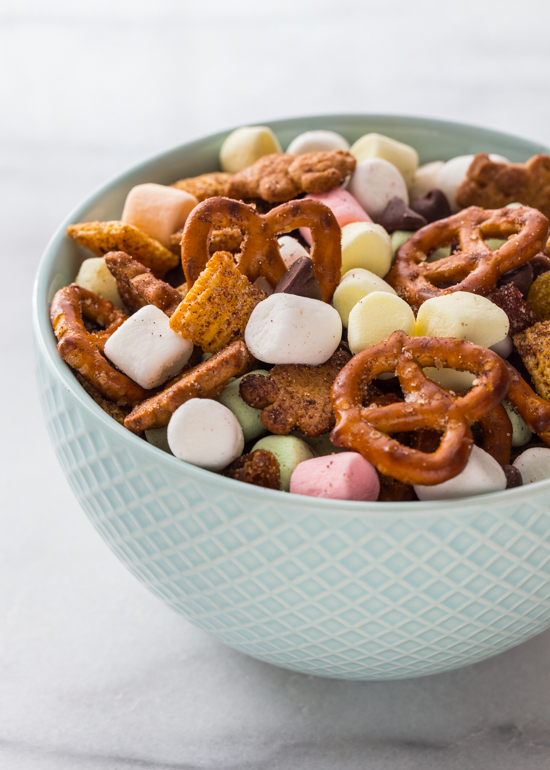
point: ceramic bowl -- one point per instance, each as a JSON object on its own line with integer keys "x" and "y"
{"x": 338, "y": 589}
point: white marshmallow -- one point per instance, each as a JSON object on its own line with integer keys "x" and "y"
{"x": 317, "y": 141}
{"x": 425, "y": 178}
{"x": 534, "y": 464}
{"x": 95, "y": 276}
{"x": 355, "y": 285}
{"x": 263, "y": 284}
{"x": 481, "y": 475}
{"x": 366, "y": 245}
{"x": 374, "y": 183}
{"x": 205, "y": 433}
{"x": 146, "y": 349}
{"x": 245, "y": 146}
{"x": 288, "y": 329}
{"x": 158, "y": 210}
{"x": 402, "y": 156}
{"x": 291, "y": 250}
{"x": 453, "y": 173}
{"x": 463, "y": 315}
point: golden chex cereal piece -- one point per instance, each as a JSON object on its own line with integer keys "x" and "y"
{"x": 102, "y": 237}
{"x": 533, "y": 345}
{"x": 216, "y": 309}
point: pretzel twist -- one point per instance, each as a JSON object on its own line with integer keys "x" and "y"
{"x": 475, "y": 267}
{"x": 426, "y": 405}
{"x": 260, "y": 253}
{"x": 83, "y": 350}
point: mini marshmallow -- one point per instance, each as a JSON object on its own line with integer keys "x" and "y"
{"x": 425, "y": 178}
{"x": 504, "y": 347}
{"x": 398, "y": 238}
{"x": 534, "y": 464}
{"x": 453, "y": 173}
{"x": 245, "y": 146}
{"x": 481, "y": 475}
{"x": 367, "y": 246}
{"x": 289, "y": 329}
{"x": 355, "y": 285}
{"x": 343, "y": 205}
{"x": 402, "y": 156}
{"x": 375, "y": 317}
{"x": 146, "y": 349}
{"x": 374, "y": 183}
{"x": 291, "y": 250}
{"x": 205, "y": 433}
{"x": 95, "y": 276}
{"x": 321, "y": 445}
{"x": 345, "y": 476}
{"x": 450, "y": 379}
{"x": 263, "y": 284}
{"x": 158, "y": 437}
{"x": 521, "y": 433}
{"x": 317, "y": 141}
{"x": 463, "y": 315}
{"x": 289, "y": 451}
{"x": 248, "y": 417}
{"x": 158, "y": 210}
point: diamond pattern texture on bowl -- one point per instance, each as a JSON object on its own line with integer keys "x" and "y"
{"x": 353, "y": 596}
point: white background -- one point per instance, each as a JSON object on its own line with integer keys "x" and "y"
{"x": 94, "y": 672}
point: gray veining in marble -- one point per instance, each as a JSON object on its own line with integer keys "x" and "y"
{"x": 95, "y": 673}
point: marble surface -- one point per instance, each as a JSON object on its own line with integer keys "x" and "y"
{"x": 94, "y": 672}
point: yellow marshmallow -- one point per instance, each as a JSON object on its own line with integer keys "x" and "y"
{"x": 366, "y": 245}
{"x": 375, "y": 317}
{"x": 355, "y": 285}
{"x": 463, "y": 315}
{"x": 245, "y": 146}
{"x": 403, "y": 157}
{"x": 95, "y": 276}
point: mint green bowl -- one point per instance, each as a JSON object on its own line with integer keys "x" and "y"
{"x": 337, "y": 589}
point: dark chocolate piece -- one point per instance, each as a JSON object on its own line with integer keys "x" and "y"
{"x": 520, "y": 315}
{"x": 300, "y": 279}
{"x": 398, "y": 216}
{"x": 433, "y": 206}
{"x": 521, "y": 277}
{"x": 540, "y": 264}
{"x": 513, "y": 476}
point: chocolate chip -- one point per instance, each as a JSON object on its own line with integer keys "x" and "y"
{"x": 521, "y": 276}
{"x": 397, "y": 216}
{"x": 433, "y": 206}
{"x": 513, "y": 476}
{"x": 540, "y": 264}
{"x": 300, "y": 279}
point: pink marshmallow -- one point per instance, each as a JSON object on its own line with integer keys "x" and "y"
{"x": 158, "y": 210}
{"x": 343, "y": 205}
{"x": 344, "y": 476}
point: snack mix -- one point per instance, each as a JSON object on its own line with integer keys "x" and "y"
{"x": 344, "y": 323}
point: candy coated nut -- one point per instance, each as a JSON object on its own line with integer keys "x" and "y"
{"x": 289, "y": 329}
{"x": 355, "y": 285}
{"x": 398, "y": 238}
{"x": 248, "y": 417}
{"x": 463, "y": 315}
{"x": 158, "y": 210}
{"x": 95, "y": 276}
{"x": 453, "y": 173}
{"x": 534, "y": 464}
{"x": 245, "y": 146}
{"x": 425, "y": 178}
{"x": 481, "y": 475}
{"x": 521, "y": 433}
{"x": 205, "y": 433}
{"x": 343, "y": 205}
{"x": 289, "y": 451}
{"x": 368, "y": 246}
{"x": 158, "y": 437}
{"x": 375, "y": 317}
{"x": 146, "y": 349}
{"x": 403, "y": 156}
{"x": 291, "y": 249}
{"x": 450, "y": 379}
{"x": 374, "y": 183}
{"x": 345, "y": 476}
{"x": 317, "y": 141}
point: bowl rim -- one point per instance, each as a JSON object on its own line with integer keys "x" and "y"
{"x": 45, "y": 343}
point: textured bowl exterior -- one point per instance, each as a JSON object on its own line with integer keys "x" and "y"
{"x": 337, "y": 589}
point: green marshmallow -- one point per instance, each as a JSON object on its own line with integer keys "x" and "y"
{"x": 398, "y": 238}
{"x": 444, "y": 251}
{"x": 290, "y": 451}
{"x": 321, "y": 445}
{"x": 249, "y": 418}
{"x": 158, "y": 437}
{"x": 520, "y": 432}
{"x": 494, "y": 243}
